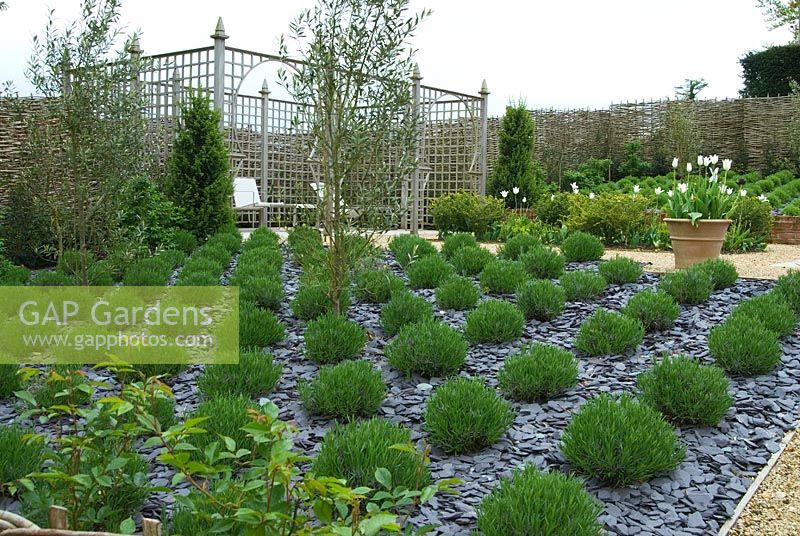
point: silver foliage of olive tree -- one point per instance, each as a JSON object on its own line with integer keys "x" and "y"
{"x": 358, "y": 117}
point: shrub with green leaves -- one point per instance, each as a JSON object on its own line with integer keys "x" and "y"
{"x": 494, "y": 321}
{"x": 467, "y": 212}
{"x": 226, "y": 416}
{"x": 9, "y": 380}
{"x": 541, "y": 300}
{"x": 743, "y": 346}
{"x": 404, "y": 308}
{"x": 263, "y": 237}
{"x": 788, "y": 286}
{"x": 685, "y": 391}
{"x": 345, "y": 391}
{"x": 255, "y": 374}
{"x": 47, "y": 278}
{"x": 608, "y": 333}
{"x": 543, "y": 263}
{"x": 60, "y": 384}
{"x": 265, "y": 292}
{"x": 376, "y": 286}
{"x": 428, "y": 272}
{"x": 264, "y": 258}
{"x": 458, "y": 293}
{"x": 165, "y": 371}
{"x": 428, "y": 348}
{"x": 18, "y": 456}
{"x": 518, "y": 245}
{"x": 502, "y": 276}
{"x": 456, "y": 241}
{"x": 582, "y": 247}
{"x": 620, "y": 441}
{"x": 538, "y": 372}
{"x": 723, "y": 273}
{"x": 688, "y": 286}
{"x": 407, "y": 248}
{"x": 582, "y": 285}
{"x": 258, "y": 328}
{"x": 184, "y": 241}
{"x": 471, "y": 260}
{"x": 332, "y": 338}
{"x": 620, "y": 270}
{"x": 356, "y": 450}
{"x": 536, "y": 502}
{"x": 655, "y": 309}
{"x": 465, "y": 415}
{"x": 771, "y": 310}
{"x": 11, "y": 274}
{"x": 313, "y": 299}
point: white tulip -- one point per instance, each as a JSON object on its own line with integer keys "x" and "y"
{"x": 670, "y": 193}
{"x": 504, "y": 193}
{"x": 636, "y": 189}
{"x": 714, "y": 159}
{"x": 591, "y": 195}
{"x": 726, "y": 164}
{"x": 714, "y": 177}
{"x": 729, "y": 190}
{"x": 674, "y": 163}
{"x": 700, "y": 160}
{"x": 743, "y": 192}
{"x": 682, "y": 187}
{"x": 552, "y": 196}
{"x": 524, "y": 199}
{"x": 688, "y": 167}
{"x": 515, "y": 189}
{"x": 706, "y": 161}
{"x": 762, "y": 198}
{"x": 658, "y": 191}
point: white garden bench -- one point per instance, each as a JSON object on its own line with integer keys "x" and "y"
{"x": 247, "y": 197}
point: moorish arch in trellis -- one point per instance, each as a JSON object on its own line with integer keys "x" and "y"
{"x": 262, "y": 133}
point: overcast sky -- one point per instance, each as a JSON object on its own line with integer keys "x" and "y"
{"x": 560, "y": 54}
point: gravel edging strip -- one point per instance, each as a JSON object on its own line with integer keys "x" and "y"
{"x": 754, "y": 487}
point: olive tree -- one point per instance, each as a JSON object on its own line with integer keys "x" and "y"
{"x": 781, "y": 13}
{"x": 357, "y": 117}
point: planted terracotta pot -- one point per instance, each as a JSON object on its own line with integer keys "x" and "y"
{"x": 693, "y": 244}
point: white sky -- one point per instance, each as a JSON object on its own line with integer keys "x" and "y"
{"x": 560, "y": 54}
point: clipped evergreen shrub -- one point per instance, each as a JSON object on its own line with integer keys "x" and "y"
{"x": 608, "y": 333}
{"x": 452, "y": 243}
{"x": 494, "y": 321}
{"x": 620, "y": 270}
{"x": 685, "y": 391}
{"x": 582, "y": 285}
{"x": 465, "y": 415}
{"x": 788, "y": 286}
{"x": 428, "y": 272}
{"x": 428, "y": 348}
{"x": 255, "y": 374}
{"x": 743, "y": 346}
{"x": 18, "y": 456}
{"x": 407, "y": 248}
{"x": 535, "y": 502}
{"x": 258, "y": 328}
{"x": 332, "y": 338}
{"x": 518, "y": 245}
{"x": 655, "y": 309}
{"x": 354, "y": 452}
{"x": 404, "y": 308}
{"x": 502, "y": 276}
{"x": 688, "y": 286}
{"x": 184, "y": 241}
{"x": 471, "y": 260}
{"x": 541, "y": 300}
{"x": 263, "y": 237}
{"x": 620, "y": 441}
{"x": 582, "y": 247}
{"x": 345, "y": 391}
{"x": 538, "y": 372}
{"x": 265, "y": 292}
{"x": 466, "y": 212}
{"x": 9, "y": 380}
{"x": 723, "y": 273}
{"x": 771, "y": 310}
{"x": 376, "y": 286}
{"x": 226, "y": 416}
{"x": 543, "y": 263}
{"x": 458, "y": 293}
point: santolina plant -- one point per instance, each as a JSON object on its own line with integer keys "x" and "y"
{"x": 345, "y": 391}
{"x": 457, "y": 293}
{"x": 582, "y": 285}
{"x": 541, "y": 300}
{"x": 743, "y": 346}
{"x": 656, "y": 310}
{"x": 471, "y": 260}
{"x": 620, "y": 270}
{"x": 494, "y": 321}
{"x": 331, "y": 338}
{"x": 404, "y": 308}
{"x": 502, "y": 276}
{"x": 428, "y": 348}
{"x": 608, "y": 333}
{"x": 538, "y": 372}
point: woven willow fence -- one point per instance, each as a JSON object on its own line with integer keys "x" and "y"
{"x": 753, "y": 132}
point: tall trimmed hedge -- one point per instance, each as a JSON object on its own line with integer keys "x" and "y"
{"x": 767, "y": 73}
{"x": 515, "y": 165}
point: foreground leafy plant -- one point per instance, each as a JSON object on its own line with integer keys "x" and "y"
{"x": 464, "y": 415}
{"x": 538, "y": 372}
{"x": 21, "y": 452}
{"x": 620, "y": 441}
{"x": 331, "y": 393}
{"x": 723, "y": 273}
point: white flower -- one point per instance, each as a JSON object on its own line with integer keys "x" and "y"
{"x": 504, "y": 193}
{"x": 706, "y": 161}
{"x": 552, "y": 196}
{"x": 670, "y": 193}
{"x": 674, "y": 163}
{"x": 688, "y": 167}
{"x": 700, "y": 160}
{"x": 574, "y": 186}
{"x": 658, "y": 190}
{"x": 524, "y": 199}
{"x": 726, "y": 164}
{"x": 636, "y": 189}
{"x": 682, "y": 187}
{"x": 591, "y": 195}
{"x": 515, "y": 189}
{"x": 714, "y": 176}
{"x": 762, "y": 198}
{"x": 714, "y": 159}
{"x": 743, "y": 192}
{"x": 729, "y": 190}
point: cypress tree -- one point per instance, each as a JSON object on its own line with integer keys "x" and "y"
{"x": 515, "y": 165}
{"x": 199, "y": 180}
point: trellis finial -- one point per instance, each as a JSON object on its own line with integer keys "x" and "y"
{"x": 264, "y": 88}
{"x": 484, "y": 88}
{"x": 135, "y": 47}
{"x": 415, "y": 75}
{"x": 219, "y": 31}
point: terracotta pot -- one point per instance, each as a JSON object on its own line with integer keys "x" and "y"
{"x": 692, "y": 244}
